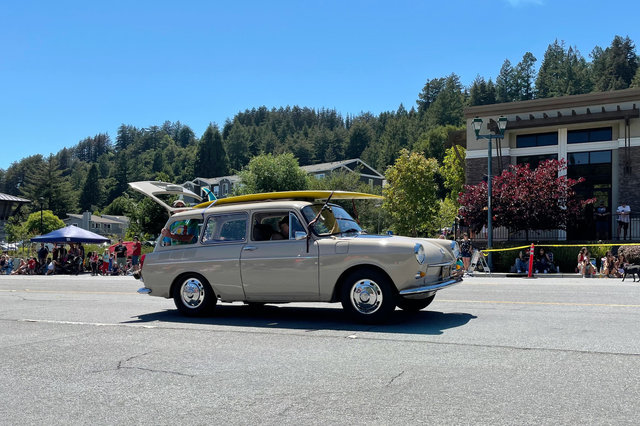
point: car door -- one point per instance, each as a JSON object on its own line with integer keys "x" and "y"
{"x": 279, "y": 269}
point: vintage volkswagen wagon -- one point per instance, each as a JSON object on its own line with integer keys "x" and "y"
{"x": 293, "y": 250}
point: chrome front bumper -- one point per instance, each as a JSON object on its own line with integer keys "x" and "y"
{"x": 430, "y": 288}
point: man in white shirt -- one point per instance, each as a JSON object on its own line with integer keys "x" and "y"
{"x": 624, "y": 216}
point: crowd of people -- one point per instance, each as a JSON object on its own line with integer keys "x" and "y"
{"x": 73, "y": 260}
{"x": 610, "y": 266}
{"x": 543, "y": 262}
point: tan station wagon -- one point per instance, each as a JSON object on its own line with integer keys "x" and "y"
{"x": 286, "y": 247}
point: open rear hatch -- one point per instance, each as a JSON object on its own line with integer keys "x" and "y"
{"x": 157, "y": 190}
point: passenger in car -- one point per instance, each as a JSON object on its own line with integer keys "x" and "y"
{"x": 262, "y": 232}
{"x": 184, "y": 232}
{"x": 284, "y": 227}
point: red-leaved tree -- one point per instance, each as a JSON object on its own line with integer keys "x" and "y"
{"x": 525, "y": 199}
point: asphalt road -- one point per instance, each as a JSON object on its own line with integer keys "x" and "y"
{"x": 90, "y": 350}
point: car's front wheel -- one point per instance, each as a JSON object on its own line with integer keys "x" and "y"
{"x": 193, "y": 295}
{"x": 368, "y": 296}
{"x": 414, "y": 305}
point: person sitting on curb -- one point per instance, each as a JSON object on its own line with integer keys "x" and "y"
{"x": 522, "y": 263}
{"x": 586, "y": 267}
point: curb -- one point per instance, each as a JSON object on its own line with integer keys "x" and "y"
{"x": 478, "y": 274}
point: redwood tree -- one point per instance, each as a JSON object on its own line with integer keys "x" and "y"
{"x": 525, "y": 199}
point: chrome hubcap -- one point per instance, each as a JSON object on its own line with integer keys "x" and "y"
{"x": 192, "y": 293}
{"x": 366, "y": 296}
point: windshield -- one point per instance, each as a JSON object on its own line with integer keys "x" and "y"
{"x": 333, "y": 220}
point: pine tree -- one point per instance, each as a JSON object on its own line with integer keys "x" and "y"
{"x": 615, "y": 67}
{"x": 447, "y": 107}
{"x": 429, "y": 94}
{"x": 90, "y": 196}
{"x": 551, "y": 80}
{"x": 211, "y": 159}
{"x": 525, "y": 73}
{"x": 506, "y": 88}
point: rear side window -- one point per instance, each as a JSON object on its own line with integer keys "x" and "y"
{"x": 225, "y": 228}
{"x": 185, "y": 231}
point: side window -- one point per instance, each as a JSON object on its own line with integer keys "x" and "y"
{"x": 275, "y": 225}
{"x": 294, "y": 226}
{"x": 185, "y": 231}
{"x": 225, "y": 228}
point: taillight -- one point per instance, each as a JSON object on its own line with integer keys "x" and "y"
{"x": 142, "y": 260}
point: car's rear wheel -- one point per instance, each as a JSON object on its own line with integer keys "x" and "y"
{"x": 414, "y": 305}
{"x": 193, "y": 295}
{"x": 368, "y": 296}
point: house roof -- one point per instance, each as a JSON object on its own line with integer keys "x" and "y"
{"x": 559, "y": 102}
{"x": 215, "y": 180}
{"x": 95, "y": 219}
{"x": 354, "y": 162}
{"x": 13, "y": 198}
{"x": 351, "y": 165}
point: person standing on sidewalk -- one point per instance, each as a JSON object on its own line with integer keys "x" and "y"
{"x": 121, "y": 253}
{"x": 135, "y": 255}
{"x": 624, "y": 217}
{"x": 466, "y": 247}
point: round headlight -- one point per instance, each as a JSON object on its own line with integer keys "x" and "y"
{"x": 418, "y": 249}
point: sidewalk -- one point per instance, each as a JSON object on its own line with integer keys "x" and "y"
{"x": 481, "y": 274}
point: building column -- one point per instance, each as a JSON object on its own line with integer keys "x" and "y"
{"x": 562, "y": 155}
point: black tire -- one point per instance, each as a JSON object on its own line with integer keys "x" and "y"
{"x": 368, "y": 296}
{"x": 414, "y": 305}
{"x": 193, "y": 296}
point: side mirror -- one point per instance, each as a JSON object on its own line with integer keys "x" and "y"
{"x": 299, "y": 235}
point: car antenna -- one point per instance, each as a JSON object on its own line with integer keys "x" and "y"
{"x": 315, "y": 219}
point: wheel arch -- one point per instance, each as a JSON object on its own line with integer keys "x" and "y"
{"x": 335, "y": 297}
{"x": 178, "y": 279}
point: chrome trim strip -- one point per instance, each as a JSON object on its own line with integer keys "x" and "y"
{"x": 429, "y": 288}
{"x": 437, "y": 265}
{"x": 144, "y": 290}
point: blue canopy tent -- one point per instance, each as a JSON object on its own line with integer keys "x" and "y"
{"x": 70, "y": 234}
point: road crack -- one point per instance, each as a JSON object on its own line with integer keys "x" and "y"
{"x": 121, "y": 366}
{"x": 395, "y": 377}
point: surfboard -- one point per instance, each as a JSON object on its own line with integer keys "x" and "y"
{"x": 290, "y": 195}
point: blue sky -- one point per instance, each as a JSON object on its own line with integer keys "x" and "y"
{"x": 72, "y": 69}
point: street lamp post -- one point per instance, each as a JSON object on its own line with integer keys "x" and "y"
{"x": 498, "y": 133}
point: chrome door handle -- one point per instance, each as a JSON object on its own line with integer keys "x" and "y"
{"x": 249, "y": 248}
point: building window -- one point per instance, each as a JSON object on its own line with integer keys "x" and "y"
{"x": 534, "y": 160}
{"x": 602, "y": 134}
{"x": 319, "y": 176}
{"x": 594, "y": 157}
{"x": 536, "y": 139}
{"x": 225, "y": 188}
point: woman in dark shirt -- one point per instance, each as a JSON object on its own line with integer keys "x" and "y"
{"x": 466, "y": 247}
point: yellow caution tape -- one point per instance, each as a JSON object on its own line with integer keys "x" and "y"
{"x": 557, "y": 245}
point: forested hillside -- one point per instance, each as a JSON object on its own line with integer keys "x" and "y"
{"x": 94, "y": 172}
